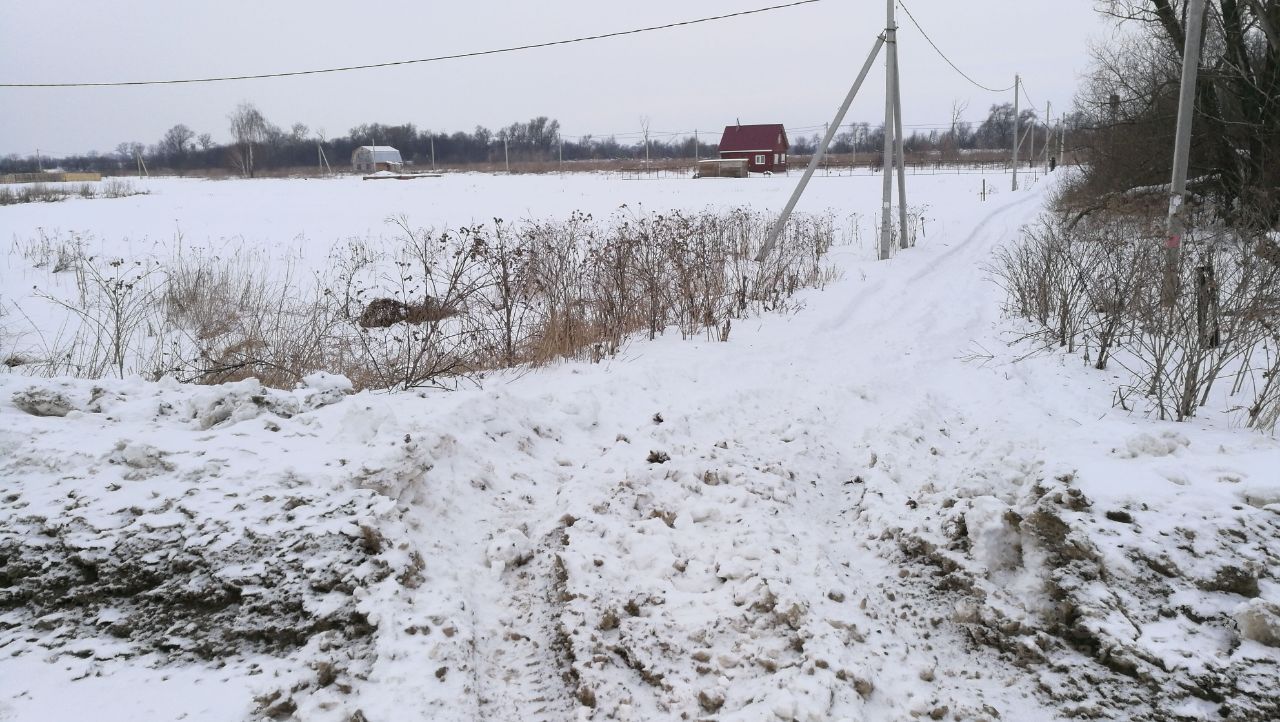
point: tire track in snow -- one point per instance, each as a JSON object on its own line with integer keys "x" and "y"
{"x": 521, "y": 675}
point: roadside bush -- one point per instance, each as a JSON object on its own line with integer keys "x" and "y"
{"x": 1091, "y": 284}
{"x": 437, "y": 308}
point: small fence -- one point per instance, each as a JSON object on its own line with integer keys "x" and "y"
{"x": 51, "y": 178}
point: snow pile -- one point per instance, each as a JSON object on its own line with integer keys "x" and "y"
{"x": 1145, "y": 606}
{"x": 188, "y": 545}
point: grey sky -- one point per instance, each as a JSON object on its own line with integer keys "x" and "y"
{"x": 791, "y": 66}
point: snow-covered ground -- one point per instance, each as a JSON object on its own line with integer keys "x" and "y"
{"x": 870, "y": 509}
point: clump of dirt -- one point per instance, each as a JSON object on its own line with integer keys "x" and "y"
{"x": 387, "y": 312}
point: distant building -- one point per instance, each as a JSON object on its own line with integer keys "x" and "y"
{"x": 373, "y": 158}
{"x": 764, "y": 147}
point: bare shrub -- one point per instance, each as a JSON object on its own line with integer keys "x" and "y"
{"x": 1092, "y": 283}
{"x": 443, "y": 345}
{"x": 116, "y": 305}
{"x": 120, "y": 188}
{"x": 443, "y": 307}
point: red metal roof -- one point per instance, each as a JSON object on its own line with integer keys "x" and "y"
{"x": 738, "y": 138}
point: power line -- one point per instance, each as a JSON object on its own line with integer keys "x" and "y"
{"x": 944, "y": 56}
{"x": 1027, "y": 96}
{"x": 439, "y": 58}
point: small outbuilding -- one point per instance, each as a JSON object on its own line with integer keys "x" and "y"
{"x": 730, "y": 168}
{"x": 374, "y": 158}
{"x": 764, "y": 147}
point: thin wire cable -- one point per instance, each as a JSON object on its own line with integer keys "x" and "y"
{"x": 1027, "y": 95}
{"x": 458, "y": 56}
{"x": 944, "y": 55}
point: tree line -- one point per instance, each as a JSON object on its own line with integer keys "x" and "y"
{"x": 258, "y": 144}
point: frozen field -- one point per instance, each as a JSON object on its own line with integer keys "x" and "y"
{"x": 281, "y": 213}
{"x": 873, "y": 508}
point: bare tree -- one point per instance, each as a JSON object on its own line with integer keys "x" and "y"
{"x": 1238, "y": 127}
{"x": 248, "y": 128}
{"x": 644, "y": 129}
{"x": 176, "y": 142}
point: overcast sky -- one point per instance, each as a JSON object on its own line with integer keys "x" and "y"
{"x": 791, "y": 66}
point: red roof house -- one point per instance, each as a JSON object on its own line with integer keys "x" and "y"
{"x": 763, "y": 146}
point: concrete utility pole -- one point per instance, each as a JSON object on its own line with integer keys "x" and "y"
{"x": 696, "y": 150}
{"x": 886, "y": 204}
{"x": 1048, "y": 134}
{"x": 1031, "y": 152}
{"x": 39, "y": 162}
{"x": 821, "y": 150}
{"x": 1182, "y": 152}
{"x": 903, "y": 240}
{"x": 433, "y": 152}
{"x": 1017, "y": 88}
{"x": 1062, "y": 141}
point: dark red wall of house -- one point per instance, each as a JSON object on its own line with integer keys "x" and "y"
{"x": 754, "y": 167}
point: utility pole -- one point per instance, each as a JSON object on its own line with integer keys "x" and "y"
{"x": 1182, "y": 152}
{"x": 1048, "y": 133}
{"x": 39, "y": 162}
{"x": 886, "y": 204}
{"x": 1031, "y": 152}
{"x": 697, "y": 157}
{"x": 903, "y": 240}
{"x": 560, "y": 152}
{"x": 1062, "y": 141}
{"x": 506, "y": 155}
{"x": 433, "y": 152}
{"x": 1017, "y": 87}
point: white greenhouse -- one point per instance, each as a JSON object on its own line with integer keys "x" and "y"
{"x": 373, "y": 158}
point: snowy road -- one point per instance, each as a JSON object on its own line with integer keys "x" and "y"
{"x": 828, "y": 517}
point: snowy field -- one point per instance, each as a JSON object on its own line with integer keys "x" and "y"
{"x": 873, "y": 508}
